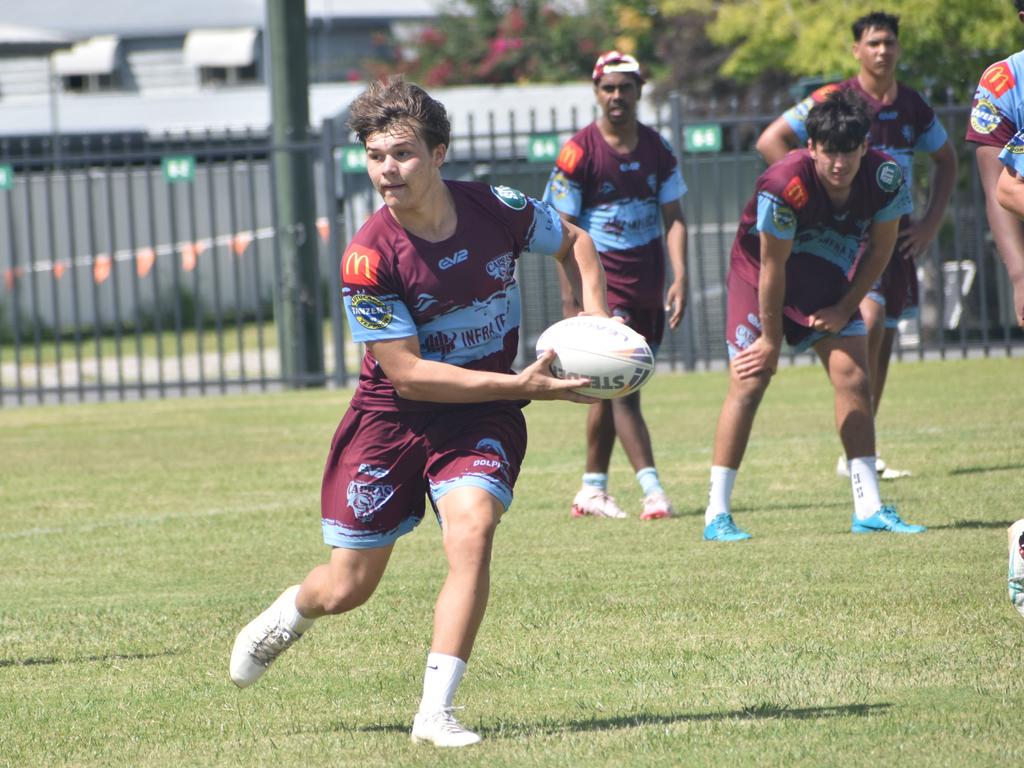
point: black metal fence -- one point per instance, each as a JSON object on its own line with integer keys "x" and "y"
{"x": 137, "y": 267}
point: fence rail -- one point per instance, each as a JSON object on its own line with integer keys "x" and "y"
{"x": 137, "y": 267}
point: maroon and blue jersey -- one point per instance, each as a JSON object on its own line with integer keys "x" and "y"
{"x": 791, "y": 203}
{"x": 459, "y": 297}
{"x": 997, "y": 112}
{"x": 617, "y": 199}
{"x": 901, "y": 128}
{"x": 1012, "y": 155}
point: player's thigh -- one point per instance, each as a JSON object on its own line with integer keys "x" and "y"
{"x": 845, "y": 359}
{"x": 480, "y": 448}
{"x": 374, "y": 482}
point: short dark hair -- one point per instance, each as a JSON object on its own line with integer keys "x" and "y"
{"x": 1019, "y": 5}
{"x": 881, "y": 20}
{"x": 390, "y": 103}
{"x": 840, "y": 123}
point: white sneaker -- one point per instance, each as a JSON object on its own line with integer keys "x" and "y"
{"x": 262, "y": 640}
{"x": 657, "y": 506}
{"x": 441, "y": 729}
{"x": 885, "y": 472}
{"x": 1015, "y": 582}
{"x": 594, "y": 502}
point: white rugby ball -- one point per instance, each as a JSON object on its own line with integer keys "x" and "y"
{"x": 615, "y": 358}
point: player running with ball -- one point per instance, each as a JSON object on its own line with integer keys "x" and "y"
{"x": 429, "y": 287}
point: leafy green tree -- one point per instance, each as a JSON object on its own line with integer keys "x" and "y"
{"x": 507, "y": 41}
{"x": 946, "y": 43}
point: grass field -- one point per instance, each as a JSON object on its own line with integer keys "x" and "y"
{"x": 136, "y": 539}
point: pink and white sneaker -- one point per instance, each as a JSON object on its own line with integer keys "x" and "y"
{"x": 593, "y": 502}
{"x": 657, "y": 507}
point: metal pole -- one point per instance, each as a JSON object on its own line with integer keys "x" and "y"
{"x": 299, "y": 328}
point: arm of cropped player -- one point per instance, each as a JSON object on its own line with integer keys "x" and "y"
{"x": 1007, "y": 229}
{"x": 877, "y": 252}
{"x": 1010, "y": 194}
{"x": 581, "y": 270}
{"x": 570, "y": 307}
{"x": 777, "y": 140}
{"x": 916, "y": 238}
{"x": 763, "y": 355}
{"x": 675, "y": 244}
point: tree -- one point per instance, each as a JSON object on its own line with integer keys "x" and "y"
{"x": 946, "y": 43}
{"x": 508, "y": 41}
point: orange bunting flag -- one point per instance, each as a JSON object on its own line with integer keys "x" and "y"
{"x": 240, "y": 242}
{"x": 9, "y": 278}
{"x": 59, "y": 268}
{"x": 324, "y": 228}
{"x": 144, "y": 258}
{"x": 188, "y": 256}
{"x": 101, "y": 268}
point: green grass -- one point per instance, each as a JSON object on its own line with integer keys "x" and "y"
{"x": 136, "y": 539}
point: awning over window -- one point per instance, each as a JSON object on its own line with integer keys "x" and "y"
{"x": 95, "y": 56}
{"x": 220, "y": 47}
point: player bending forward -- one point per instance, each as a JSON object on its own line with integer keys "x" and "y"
{"x": 797, "y": 241}
{"x": 429, "y": 287}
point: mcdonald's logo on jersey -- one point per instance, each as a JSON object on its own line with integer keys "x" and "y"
{"x": 570, "y": 156}
{"x": 795, "y": 193}
{"x": 359, "y": 267}
{"x": 998, "y": 78}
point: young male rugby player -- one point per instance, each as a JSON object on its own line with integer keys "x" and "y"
{"x": 811, "y": 214}
{"x": 429, "y": 287}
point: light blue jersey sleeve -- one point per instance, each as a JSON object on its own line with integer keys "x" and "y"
{"x": 673, "y": 188}
{"x": 932, "y": 139}
{"x": 899, "y": 206}
{"x": 775, "y": 217}
{"x": 1012, "y": 155}
{"x": 546, "y": 234}
{"x": 796, "y": 116}
{"x": 378, "y": 317}
{"x": 564, "y": 194}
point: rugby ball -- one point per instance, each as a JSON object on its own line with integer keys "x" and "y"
{"x": 615, "y": 358}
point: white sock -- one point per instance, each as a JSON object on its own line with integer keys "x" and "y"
{"x": 442, "y": 677}
{"x": 864, "y": 481}
{"x": 719, "y": 493}
{"x": 290, "y": 615}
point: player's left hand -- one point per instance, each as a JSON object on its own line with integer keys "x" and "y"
{"x": 915, "y": 240}
{"x": 829, "y": 319}
{"x": 675, "y": 304}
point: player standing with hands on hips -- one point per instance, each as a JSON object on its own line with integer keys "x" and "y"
{"x": 810, "y": 216}
{"x": 621, "y": 182}
{"x": 429, "y": 286}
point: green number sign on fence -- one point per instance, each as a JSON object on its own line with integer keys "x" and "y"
{"x": 351, "y": 158}
{"x": 179, "y": 167}
{"x": 706, "y": 137}
{"x": 542, "y": 148}
{"x": 6, "y": 177}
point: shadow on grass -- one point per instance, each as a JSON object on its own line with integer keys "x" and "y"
{"x": 46, "y": 660}
{"x": 982, "y": 470}
{"x": 753, "y": 712}
{"x": 967, "y": 524}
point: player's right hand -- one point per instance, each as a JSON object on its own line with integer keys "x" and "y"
{"x": 759, "y": 358}
{"x": 538, "y": 383}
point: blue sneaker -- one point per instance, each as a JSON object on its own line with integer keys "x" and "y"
{"x": 722, "y": 528}
{"x": 885, "y": 519}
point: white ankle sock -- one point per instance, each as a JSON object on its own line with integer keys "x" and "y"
{"x": 719, "y": 492}
{"x": 442, "y": 677}
{"x": 864, "y": 481}
{"x": 290, "y": 615}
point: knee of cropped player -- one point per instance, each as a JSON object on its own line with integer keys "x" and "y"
{"x": 470, "y": 520}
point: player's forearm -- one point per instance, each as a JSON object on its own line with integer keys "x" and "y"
{"x": 675, "y": 244}
{"x": 870, "y": 267}
{"x": 437, "y": 382}
{"x": 771, "y": 291}
{"x": 583, "y": 270}
{"x": 1007, "y": 229}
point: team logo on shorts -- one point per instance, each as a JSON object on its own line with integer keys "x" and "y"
{"x": 985, "y": 116}
{"x": 365, "y": 499}
{"x": 513, "y": 198}
{"x": 370, "y": 312}
{"x": 783, "y": 217}
{"x": 889, "y": 176}
{"x": 490, "y": 444}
